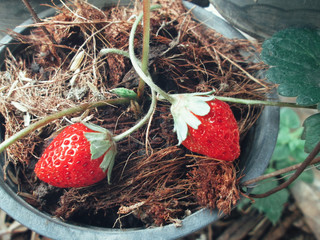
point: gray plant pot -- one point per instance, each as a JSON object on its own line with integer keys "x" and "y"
{"x": 260, "y": 145}
{"x": 262, "y": 18}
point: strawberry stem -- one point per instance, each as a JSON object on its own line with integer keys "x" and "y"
{"x": 145, "y": 45}
{"x": 153, "y": 100}
{"x": 261, "y": 102}
{"x": 106, "y": 51}
{"x": 137, "y": 65}
{"x": 141, "y": 122}
{"x": 52, "y": 117}
{"x": 296, "y": 174}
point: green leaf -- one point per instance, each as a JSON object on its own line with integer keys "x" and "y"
{"x": 289, "y": 118}
{"x": 311, "y": 132}
{"x": 95, "y": 136}
{"x": 273, "y": 205}
{"x": 294, "y": 57}
{"x": 243, "y": 203}
{"x": 280, "y": 153}
{"x": 101, "y": 142}
{"x": 112, "y": 157}
{"x": 124, "y": 92}
{"x": 108, "y": 161}
{"x": 98, "y": 148}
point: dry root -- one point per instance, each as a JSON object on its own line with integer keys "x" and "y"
{"x": 215, "y": 184}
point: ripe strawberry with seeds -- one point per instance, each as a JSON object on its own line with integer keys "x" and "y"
{"x": 81, "y": 155}
{"x": 206, "y": 125}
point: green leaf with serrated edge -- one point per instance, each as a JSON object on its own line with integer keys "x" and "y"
{"x": 311, "y": 132}
{"x": 273, "y": 205}
{"x": 96, "y": 128}
{"x": 124, "y": 92}
{"x": 294, "y": 58}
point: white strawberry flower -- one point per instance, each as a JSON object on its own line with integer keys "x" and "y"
{"x": 184, "y": 108}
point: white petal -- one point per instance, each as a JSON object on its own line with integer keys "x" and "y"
{"x": 180, "y": 126}
{"x": 184, "y": 111}
{"x": 191, "y": 120}
{"x": 199, "y": 108}
{"x": 182, "y": 132}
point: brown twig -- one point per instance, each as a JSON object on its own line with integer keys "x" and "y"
{"x": 277, "y": 173}
{"x": 297, "y": 173}
{"x": 38, "y": 20}
{"x": 44, "y": 29}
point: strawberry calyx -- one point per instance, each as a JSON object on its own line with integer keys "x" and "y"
{"x": 102, "y": 143}
{"x": 184, "y": 108}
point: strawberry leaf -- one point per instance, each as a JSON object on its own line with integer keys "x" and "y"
{"x": 311, "y": 132}
{"x": 289, "y": 119}
{"x": 267, "y": 205}
{"x": 294, "y": 58}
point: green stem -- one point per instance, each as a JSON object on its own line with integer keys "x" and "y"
{"x": 141, "y": 122}
{"x": 146, "y": 35}
{"x": 261, "y": 102}
{"x": 152, "y": 106}
{"x": 145, "y": 44}
{"x": 106, "y": 51}
{"x": 50, "y": 118}
{"x": 137, "y": 65}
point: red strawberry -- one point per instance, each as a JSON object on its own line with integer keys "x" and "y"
{"x": 79, "y": 156}
{"x": 217, "y": 136}
{"x": 205, "y": 125}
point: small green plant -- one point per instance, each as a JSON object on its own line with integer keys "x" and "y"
{"x": 289, "y": 151}
{"x": 290, "y": 147}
